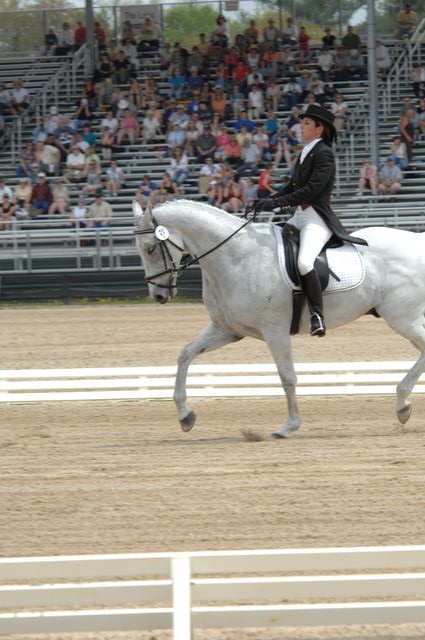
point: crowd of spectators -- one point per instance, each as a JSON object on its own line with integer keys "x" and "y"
{"x": 219, "y": 110}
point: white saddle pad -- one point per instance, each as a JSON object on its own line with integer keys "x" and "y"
{"x": 346, "y": 262}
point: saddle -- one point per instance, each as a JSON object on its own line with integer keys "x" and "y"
{"x": 291, "y": 242}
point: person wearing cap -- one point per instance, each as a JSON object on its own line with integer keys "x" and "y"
{"x": 407, "y": 19}
{"x": 329, "y": 40}
{"x": 390, "y": 177}
{"x": 100, "y": 212}
{"x": 310, "y": 191}
{"x": 50, "y": 41}
{"x": 41, "y": 196}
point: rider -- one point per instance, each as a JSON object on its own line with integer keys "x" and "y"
{"x": 309, "y": 190}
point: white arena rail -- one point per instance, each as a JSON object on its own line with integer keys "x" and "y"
{"x": 227, "y": 380}
{"x": 360, "y": 585}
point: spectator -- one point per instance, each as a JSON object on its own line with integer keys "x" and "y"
{"x": 135, "y": 94}
{"x": 110, "y": 122}
{"x": 418, "y": 80}
{"x": 128, "y": 128}
{"x": 167, "y": 189}
{"x": 99, "y": 214}
{"x": 273, "y": 95}
{"x": 218, "y": 103}
{"x": 91, "y": 92}
{"x": 407, "y": 132}
{"x": 420, "y": 122}
{"x": 7, "y": 213}
{"x": 41, "y": 196}
{"x": 208, "y": 172}
{"x": 107, "y": 141}
{"x": 399, "y": 151}
{"x": 165, "y": 58}
{"x": 291, "y": 93}
{"x": 233, "y": 151}
{"x": 383, "y": 59}
{"x": 5, "y": 190}
{"x": 89, "y": 135}
{"x": 256, "y": 102}
{"x": 192, "y": 135}
{"x": 407, "y": 19}
{"x": 128, "y": 32}
{"x": 244, "y": 135}
{"x": 79, "y": 35}
{"x": 325, "y": 62}
{"x": 84, "y": 114}
{"x": 5, "y": 100}
{"x": 304, "y": 45}
{"x": 240, "y": 75}
{"x": 207, "y": 144}
{"x": 100, "y": 36}
{"x": 406, "y": 105}
{"x": 28, "y": 163}
{"x": 223, "y": 138}
{"x": 147, "y": 192}
{"x": 179, "y": 117}
{"x": 150, "y": 126}
{"x": 75, "y": 164}
{"x": 221, "y": 31}
{"x": 178, "y": 169}
{"x": 249, "y": 191}
{"x": 104, "y": 68}
{"x": 328, "y": 40}
{"x": 105, "y": 94}
{"x": 367, "y": 178}
{"x": 250, "y": 156}
{"x": 244, "y": 121}
{"x": 355, "y": 65}
{"x": 122, "y": 68}
{"x": 351, "y": 41}
{"x": 177, "y": 81}
{"x": 340, "y": 65}
{"x": 2, "y": 126}
{"x": 339, "y": 108}
{"x": 92, "y": 177}
{"x": 22, "y": 197}
{"x": 65, "y": 39}
{"x": 289, "y": 34}
{"x": 150, "y": 35}
{"x": 20, "y": 98}
{"x": 232, "y": 195}
{"x": 60, "y": 198}
{"x": 176, "y": 138}
{"x": 50, "y": 156}
{"x": 78, "y": 214}
{"x": 265, "y": 182}
{"x": 50, "y": 41}
{"x": 115, "y": 178}
{"x": 261, "y": 139}
{"x": 271, "y": 33}
{"x": 253, "y": 57}
{"x": 91, "y": 156}
{"x": 194, "y": 80}
{"x": 390, "y": 178}
{"x": 112, "y": 50}
{"x": 287, "y": 61}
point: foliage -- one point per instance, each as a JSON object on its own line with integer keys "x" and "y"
{"x": 184, "y": 23}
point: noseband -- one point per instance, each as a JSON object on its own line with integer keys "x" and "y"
{"x": 161, "y": 234}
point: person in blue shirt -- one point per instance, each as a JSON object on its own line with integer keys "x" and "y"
{"x": 244, "y": 121}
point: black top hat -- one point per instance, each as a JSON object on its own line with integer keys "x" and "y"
{"x": 322, "y": 115}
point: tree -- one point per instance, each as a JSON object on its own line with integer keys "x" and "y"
{"x": 184, "y": 23}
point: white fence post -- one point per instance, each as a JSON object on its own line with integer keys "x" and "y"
{"x": 182, "y": 614}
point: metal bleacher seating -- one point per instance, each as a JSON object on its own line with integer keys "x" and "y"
{"x": 46, "y": 244}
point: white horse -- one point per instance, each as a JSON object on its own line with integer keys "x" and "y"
{"x": 245, "y": 294}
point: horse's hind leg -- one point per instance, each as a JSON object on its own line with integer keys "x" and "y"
{"x": 415, "y": 333}
{"x": 213, "y": 337}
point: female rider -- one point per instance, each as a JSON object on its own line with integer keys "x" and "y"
{"x": 309, "y": 190}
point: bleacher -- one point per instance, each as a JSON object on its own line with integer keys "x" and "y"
{"x": 31, "y": 244}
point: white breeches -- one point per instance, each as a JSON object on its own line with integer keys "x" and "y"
{"x": 314, "y": 234}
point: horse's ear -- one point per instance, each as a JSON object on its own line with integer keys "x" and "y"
{"x": 148, "y": 213}
{"x": 137, "y": 212}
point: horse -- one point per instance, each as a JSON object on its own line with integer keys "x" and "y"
{"x": 245, "y": 294}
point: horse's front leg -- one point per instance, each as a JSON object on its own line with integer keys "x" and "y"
{"x": 279, "y": 343}
{"x": 213, "y": 337}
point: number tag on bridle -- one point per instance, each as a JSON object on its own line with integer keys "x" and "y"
{"x": 161, "y": 233}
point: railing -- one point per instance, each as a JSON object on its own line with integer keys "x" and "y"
{"x": 332, "y": 587}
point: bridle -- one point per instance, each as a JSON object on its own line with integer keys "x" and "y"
{"x": 170, "y": 268}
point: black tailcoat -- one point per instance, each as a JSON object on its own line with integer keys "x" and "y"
{"x": 311, "y": 184}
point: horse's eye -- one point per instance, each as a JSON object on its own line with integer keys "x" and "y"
{"x": 151, "y": 250}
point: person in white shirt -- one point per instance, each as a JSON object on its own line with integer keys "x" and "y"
{"x": 383, "y": 59}
{"x": 5, "y": 191}
{"x": 75, "y": 163}
{"x": 256, "y": 102}
{"x": 109, "y": 121}
{"x": 78, "y": 214}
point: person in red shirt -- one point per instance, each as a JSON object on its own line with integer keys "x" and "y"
{"x": 79, "y": 34}
{"x": 100, "y": 35}
{"x": 265, "y": 182}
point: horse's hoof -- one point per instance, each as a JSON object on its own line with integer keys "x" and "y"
{"x": 188, "y": 422}
{"x": 276, "y": 435}
{"x": 404, "y": 414}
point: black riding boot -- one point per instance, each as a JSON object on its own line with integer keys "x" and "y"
{"x": 311, "y": 286}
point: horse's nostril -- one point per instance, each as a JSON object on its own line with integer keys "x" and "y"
{"x": 158, "y": 297}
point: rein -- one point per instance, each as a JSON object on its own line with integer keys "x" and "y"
{"x": 159, "y": 231}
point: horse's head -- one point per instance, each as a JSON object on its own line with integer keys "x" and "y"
{"x": 160, "y": 252}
